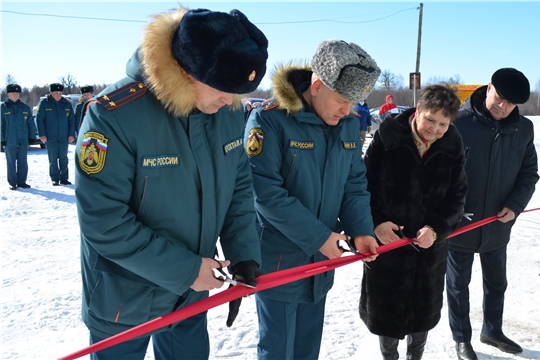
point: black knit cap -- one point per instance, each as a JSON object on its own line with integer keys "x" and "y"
{"x": 87, "y": 89}
{"x": 511, "y": 85}
{"x": 13, "y": 88}
{"x": 224, "y": 51}
{"x": 56, "y": 87}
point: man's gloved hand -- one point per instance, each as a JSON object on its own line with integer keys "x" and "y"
{"x": 31, "y": 141}
{"x": 247, "y": 272}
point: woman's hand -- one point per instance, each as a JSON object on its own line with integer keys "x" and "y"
{"x": 385, "y": 232}
{"x": 425, "y": 237}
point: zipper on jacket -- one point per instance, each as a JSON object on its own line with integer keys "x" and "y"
{"x": 290, "y": 170}
{"x": 325, "y": 131}
{"x": 142, "y": 195}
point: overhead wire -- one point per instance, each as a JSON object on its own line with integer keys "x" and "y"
{"x": 258, "y": 23}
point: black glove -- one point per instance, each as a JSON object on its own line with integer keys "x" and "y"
{"x": 247, "y": 272}
{"x": 31, "y": 141}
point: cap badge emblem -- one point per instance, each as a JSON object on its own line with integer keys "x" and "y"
{"x": 252, "y": 76}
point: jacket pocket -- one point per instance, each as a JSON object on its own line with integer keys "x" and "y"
{"x": 116, "y": 300}
{"x": 147, "y": 199}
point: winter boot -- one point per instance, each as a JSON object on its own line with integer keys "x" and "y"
{"x": 389, "y": 347}
{"x": 415, "y": 345}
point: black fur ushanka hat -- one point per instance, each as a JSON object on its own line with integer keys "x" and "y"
{"x": 87, "y": 89}
{"x": 13, "y": 88}
{"x": 224, "y": 51}
{"x": 56, "y": 87}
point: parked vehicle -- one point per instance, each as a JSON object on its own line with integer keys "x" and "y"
{"x": 464, "y": 91}
{"x": 376, "y": 119}
{"x": 38, "y": 141}
{"x": 248, "y": 104}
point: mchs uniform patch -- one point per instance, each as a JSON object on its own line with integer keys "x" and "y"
{"x": 254, "y": 144}
{"x": 93, "y": 152}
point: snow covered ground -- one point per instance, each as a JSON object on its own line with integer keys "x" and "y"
{"x": 41, "y": 286}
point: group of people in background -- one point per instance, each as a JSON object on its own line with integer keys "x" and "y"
{"x": 57, "y": 125}
{"x": 165, "y": 166}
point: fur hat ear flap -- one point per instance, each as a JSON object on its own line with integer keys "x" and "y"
{"x": 224, "y": 51}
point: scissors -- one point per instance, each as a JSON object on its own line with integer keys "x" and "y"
{"x": 227, "y": 279}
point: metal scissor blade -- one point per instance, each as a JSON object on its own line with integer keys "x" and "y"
{"x": 227, "y": 279}
{"x": 236, "y": 282}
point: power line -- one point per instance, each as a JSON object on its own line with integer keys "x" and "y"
{"x": 336, "y": 21}
{"x": 258, "y": 23}
{"x": 71, "y": 17}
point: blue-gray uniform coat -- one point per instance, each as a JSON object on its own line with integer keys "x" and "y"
{"x": 78, "y": 113}
{"x": 157, "y": 182}
{"x": 502, "y": 170}
{"x": 55, "y": 120}
{"x": 309, "y": 180}
{"x": 17, "y": 123}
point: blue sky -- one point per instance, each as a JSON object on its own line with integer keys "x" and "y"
{"x": 471, "y": 40}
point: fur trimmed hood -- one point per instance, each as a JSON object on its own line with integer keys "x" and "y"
{"x": 163, "y": 75}
{"x": 286, "y": 81}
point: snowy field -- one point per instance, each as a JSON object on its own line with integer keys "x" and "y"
{"x": 41, "y": 286}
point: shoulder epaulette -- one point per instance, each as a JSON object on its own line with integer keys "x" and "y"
{"x": 123, "y": 95}
{"x": 269, "y": 104}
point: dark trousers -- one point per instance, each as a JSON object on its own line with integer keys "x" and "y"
{"x": 187, "y": 341}
{"x": 458, "y": 277}
{"x": 289, "y": 330}
{"x": 17, "y": 164}
{"x": 58, "y": 161}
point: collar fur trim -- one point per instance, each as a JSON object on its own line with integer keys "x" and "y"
{"x": 164, "y": 76}
{"x": 285, "y": 85}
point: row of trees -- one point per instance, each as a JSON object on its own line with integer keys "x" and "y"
{"x": 388, "y": 83}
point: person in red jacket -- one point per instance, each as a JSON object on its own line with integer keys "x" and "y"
{"x": 388, "y": 107}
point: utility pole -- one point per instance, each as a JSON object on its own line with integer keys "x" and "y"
{"x": 418, "y": 51}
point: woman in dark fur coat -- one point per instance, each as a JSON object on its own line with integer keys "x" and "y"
{"x": 415, "y": 169}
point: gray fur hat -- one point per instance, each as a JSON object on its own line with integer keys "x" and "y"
{"x": 346, "y": 69}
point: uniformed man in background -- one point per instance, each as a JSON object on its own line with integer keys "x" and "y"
{"x": 18, "y": 131}
{"x": 87, "y": 93}
{"x": 56, "y": 127}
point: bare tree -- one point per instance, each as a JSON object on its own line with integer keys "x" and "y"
{"x": 389, "y": 80}
{"x": 69, "y": 82}
{"x": 10, "y": 79}
{"x": 456, "y": 79}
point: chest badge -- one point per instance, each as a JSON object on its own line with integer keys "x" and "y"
{"x": 93, "y": 152}
{"x": 255, "y": 140}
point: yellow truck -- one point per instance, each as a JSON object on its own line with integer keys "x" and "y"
{"x": 464, "y": 91}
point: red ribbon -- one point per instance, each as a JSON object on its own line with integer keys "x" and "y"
{"x": 264, "y": 282}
